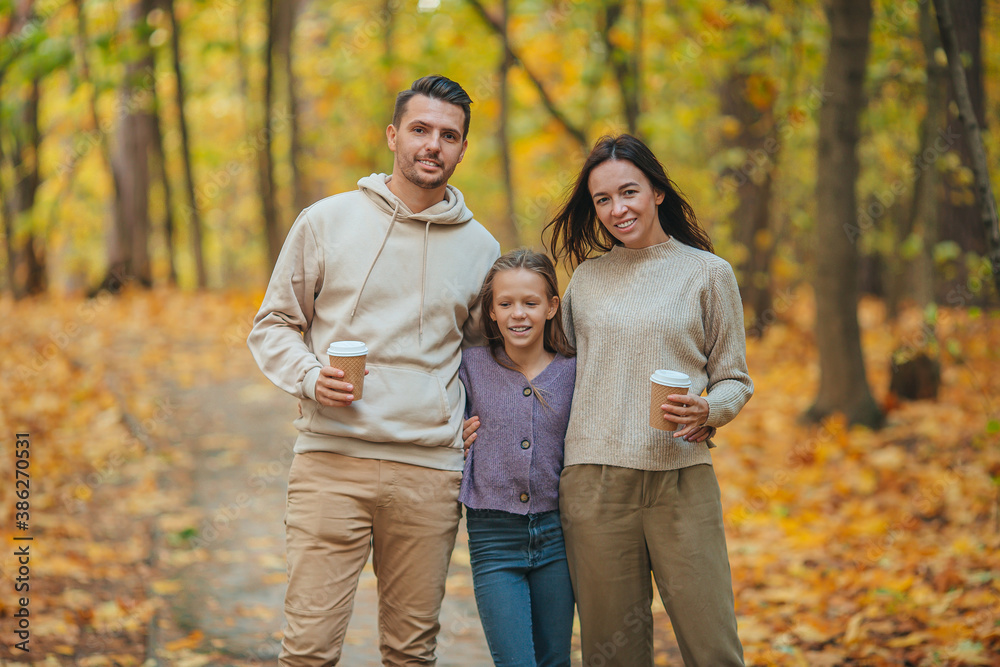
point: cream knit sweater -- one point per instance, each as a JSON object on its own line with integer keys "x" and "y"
{"x": 630, "y": 312}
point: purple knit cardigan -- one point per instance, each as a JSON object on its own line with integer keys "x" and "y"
{"x": 515, "y": 462}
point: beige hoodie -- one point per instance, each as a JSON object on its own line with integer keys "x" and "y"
{"x": 361, "y": 266}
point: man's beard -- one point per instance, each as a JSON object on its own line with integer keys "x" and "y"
{"x": 411, "y": 173}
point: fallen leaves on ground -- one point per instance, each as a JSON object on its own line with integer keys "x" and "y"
{"x": 847, "y": 546}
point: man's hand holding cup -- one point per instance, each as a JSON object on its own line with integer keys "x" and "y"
{"x": 341, "y": 383}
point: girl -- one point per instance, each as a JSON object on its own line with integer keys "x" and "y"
{"x": 635, "y": 499}
{"x": 521, "y": 386}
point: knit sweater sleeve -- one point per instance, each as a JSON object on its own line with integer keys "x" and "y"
{"x": 567, "y": 314}
{"x": 286, "y": 313}
{"x": 729, "y": 384}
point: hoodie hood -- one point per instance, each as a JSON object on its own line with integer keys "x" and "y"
{"x": 450, "y": 211}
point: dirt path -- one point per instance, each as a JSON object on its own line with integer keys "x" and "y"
{"x": 234, "y": 441}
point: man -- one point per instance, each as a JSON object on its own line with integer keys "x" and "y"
{"x": 396, "y": 264}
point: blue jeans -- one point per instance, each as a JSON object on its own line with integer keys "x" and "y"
{"x": 522, "y": 586}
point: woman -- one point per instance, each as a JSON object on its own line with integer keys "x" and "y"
{"x": 634, "y": 499}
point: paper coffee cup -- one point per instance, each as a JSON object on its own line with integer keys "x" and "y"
{"x": 350, "y": 356}
{"x": 663, "y": 384}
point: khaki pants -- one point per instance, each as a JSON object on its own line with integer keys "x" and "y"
{"x": 340, "y": 509}
{"x": 621, "y": 524}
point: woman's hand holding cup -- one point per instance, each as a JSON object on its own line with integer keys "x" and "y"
{"x": 691, "y": 412}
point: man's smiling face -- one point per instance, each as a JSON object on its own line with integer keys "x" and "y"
{"x": 428, "y": 143}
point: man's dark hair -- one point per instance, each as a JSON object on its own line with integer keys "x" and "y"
{"x": 435, "y": 87}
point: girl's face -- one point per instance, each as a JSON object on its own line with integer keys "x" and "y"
{"x": 626, "y": 203}
{"x": 521, "y": 307}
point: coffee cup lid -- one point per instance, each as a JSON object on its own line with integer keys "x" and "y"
{"x": 671, "y": 378}
{"x": 347, "y": 348}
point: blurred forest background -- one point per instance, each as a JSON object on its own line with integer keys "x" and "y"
{"x": 153, "y": 154}
{"x": 173, "y": 142}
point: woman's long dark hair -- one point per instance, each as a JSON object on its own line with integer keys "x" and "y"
{"x": 577, "y": 234}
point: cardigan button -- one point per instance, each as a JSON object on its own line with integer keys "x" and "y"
{"x": 527, "y": 391}
{"x": 524, "y": 497}
{"x": 525, "y": 444}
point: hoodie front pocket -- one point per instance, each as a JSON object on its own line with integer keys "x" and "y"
{"x": 399, "y": 405}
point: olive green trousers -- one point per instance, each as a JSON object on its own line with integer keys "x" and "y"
{"x": 620, "y": 526}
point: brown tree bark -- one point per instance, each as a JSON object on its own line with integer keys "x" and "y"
{"x": 164, "y": 173}
{"x": 988, "y": 215}
{"x": 508, "y": 232}
{"x": 81, "y": 42}
{"x": 843, "y": 385}
{"x": 757, "y": 141}
{"x": 392, "y": 77}
{"x": 194, "y": 217}
{"x": 959, "y": 215}
{"x": 286, "y": 12}
{"x": 557, "y": 114}
{"x": 128, "y": 238}
{"x": 28, "y": 257}
{"x": 26, "y": 266}
{"x": 624, "y": 65}
{"x": 265, "y": 163}
{"x": 25, "y": 253}
{"x": 914, "y": 276}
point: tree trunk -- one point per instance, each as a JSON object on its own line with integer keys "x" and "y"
{"x": 26, "y": 254}
{"x": 917, "y": 279}
{"x": 7, "y": 215}
{"x": 967, "y": 115}
{"x": 265, "y": 164}
{"x": 164, "y": 174}
{"x": 392, "y": 76}
{"x": 749, "y": 97}
{"x": 284, "y": 46}
{"x": 625, "y": 65}
{"x": 843, "y": 385}
{"x": 557, "y": 114}
{"x": 194, "y": 219}
{"x": 26, "y": 266}
{"x": 509, "y": 236}
{"x": 959, "y": 213}
{"x": 128, "y": 240}
{"x": 99, "y": 136}
{"x": 81, "y": 42}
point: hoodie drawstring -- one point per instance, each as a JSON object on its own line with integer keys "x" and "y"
{"x": 423, "y": 283}
{"x": 392, "y": 221}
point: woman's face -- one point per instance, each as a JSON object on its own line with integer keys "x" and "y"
{"x": 626, "y": 203}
